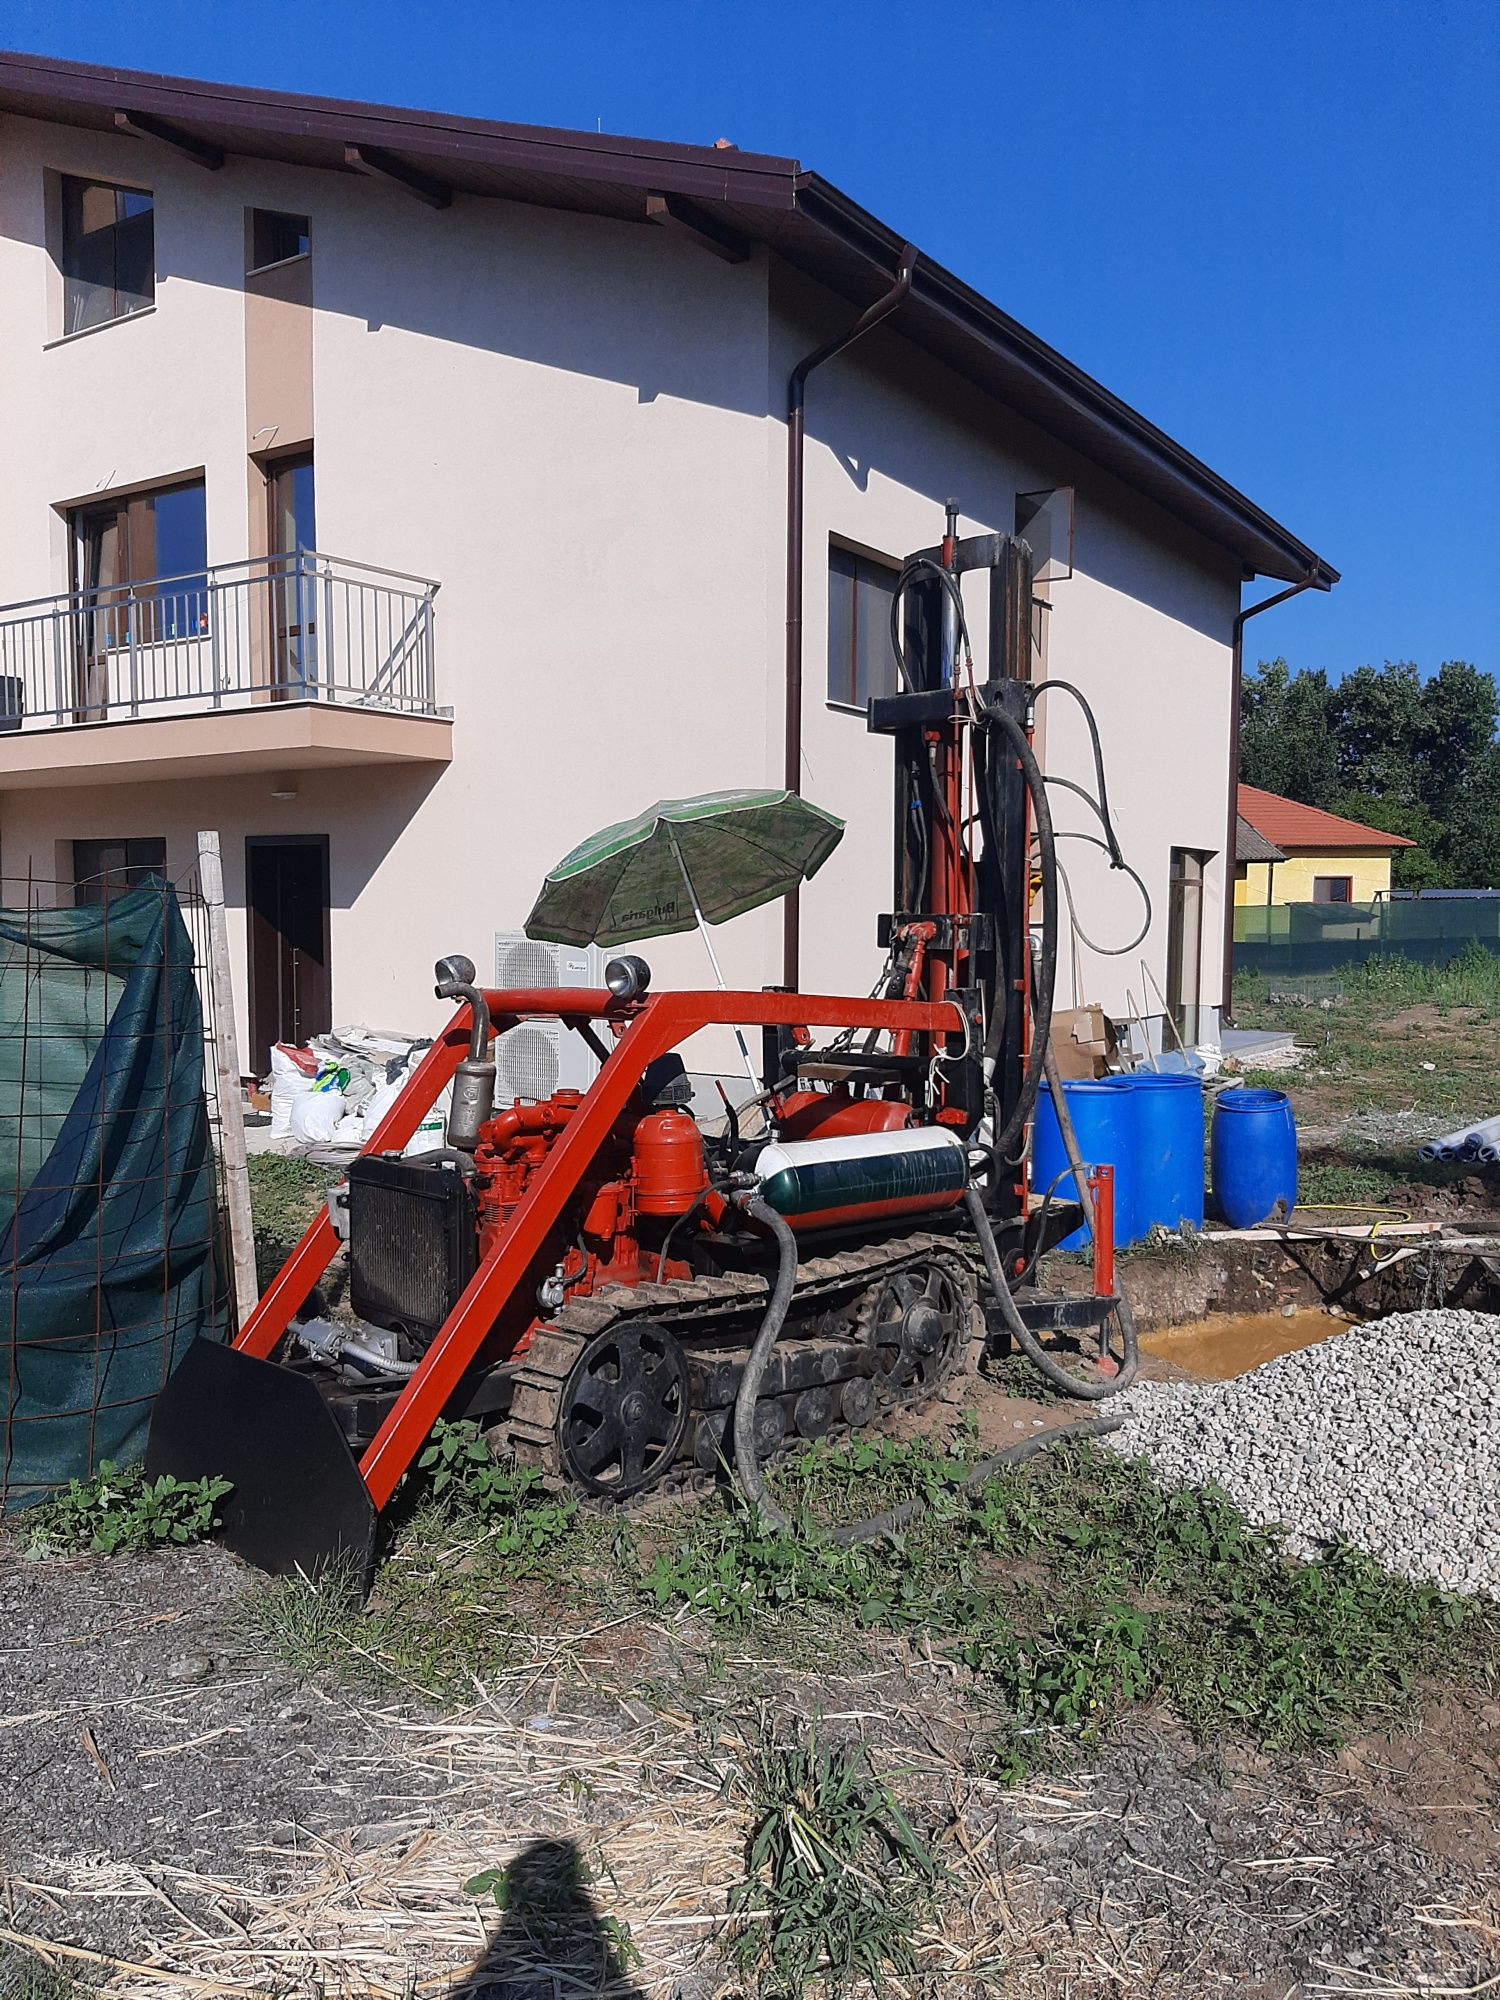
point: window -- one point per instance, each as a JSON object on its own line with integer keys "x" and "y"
{"x": 1333, "y": 888}
{"x": 144, "y": 559}
{"x": 108, "y": 253}
{"x": 861, "y": 592}
{"x": 276, "y": 237}
{"x": 140, "y": 568}
{"x": 104, "y": 869}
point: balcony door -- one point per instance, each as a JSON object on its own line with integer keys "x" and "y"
{"x": 140, "y": 577}
{"x": 293, "y": 579}
{"x": 291, "y": 988}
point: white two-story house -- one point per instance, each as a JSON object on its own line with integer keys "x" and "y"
{"x": 406, "y": 497}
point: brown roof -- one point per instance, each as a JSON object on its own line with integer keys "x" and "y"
{"x": 746, "y": 198}
{"x": 1252, "y": 846}
{"x": 1289, "y": 824}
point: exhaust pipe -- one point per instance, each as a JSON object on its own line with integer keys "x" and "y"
{"x": 474, "y": 1079}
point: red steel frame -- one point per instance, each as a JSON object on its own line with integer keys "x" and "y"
{"x": 652, "y": 1027}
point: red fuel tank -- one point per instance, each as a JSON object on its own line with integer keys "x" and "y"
{"x": 670, "y": 1172}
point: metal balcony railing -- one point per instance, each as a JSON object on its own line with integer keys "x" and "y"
{"x": 302, "y": 627}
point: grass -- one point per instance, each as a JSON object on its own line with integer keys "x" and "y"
{"x": 285, "y": 1195}
{"x": 1397, "y": 1040}
{"x": 1068, "y": 1589}
{"x": 25, "y": 1976}
{"x": 836, "y": 1880}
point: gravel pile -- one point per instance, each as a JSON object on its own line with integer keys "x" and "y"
{"x": 1384, "y": 1436}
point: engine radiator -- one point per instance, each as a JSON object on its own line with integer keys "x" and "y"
{"x": 413, "y": 1245}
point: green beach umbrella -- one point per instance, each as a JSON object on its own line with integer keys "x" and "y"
{"x": 681, "y": 865}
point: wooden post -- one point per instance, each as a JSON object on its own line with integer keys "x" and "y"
{"x": 227, "y": 1069}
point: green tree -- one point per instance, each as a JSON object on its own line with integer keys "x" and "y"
{"x": 1471, "y": 836}
{"x": 1457, "y": 732}
{"x": 1286, "y": 740}
{"x": 1376, "y": 715}
{"x": 1419, "y": 867}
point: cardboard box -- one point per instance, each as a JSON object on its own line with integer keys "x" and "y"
{"x": 1083, "y": 1041}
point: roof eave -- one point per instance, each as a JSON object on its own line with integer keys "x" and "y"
{"x": 1243, "y": 527}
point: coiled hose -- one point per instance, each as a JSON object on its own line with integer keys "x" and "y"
{"x": 747, "y": 1466}
{"x": 1026, "y": 1340}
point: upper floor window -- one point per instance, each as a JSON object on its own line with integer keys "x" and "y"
{"x": 861, "y": 592}
{"x": 276, "y": 237}
{"x": 108, "y": 252}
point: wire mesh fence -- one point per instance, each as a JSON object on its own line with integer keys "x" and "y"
{"x": 114, "y": 1241}
{"x": 1285, "y": 941}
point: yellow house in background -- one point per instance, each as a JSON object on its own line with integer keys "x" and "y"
{"x": 1291, "y": 853}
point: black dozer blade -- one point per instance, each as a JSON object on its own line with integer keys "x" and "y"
{"x": 298, "y": 1501}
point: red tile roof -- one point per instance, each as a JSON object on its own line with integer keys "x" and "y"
{"x": 1289, "y": 824}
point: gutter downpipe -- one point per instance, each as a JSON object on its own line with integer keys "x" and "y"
{"x": 796, "y": 438}
{"x": 1226, "y": 997}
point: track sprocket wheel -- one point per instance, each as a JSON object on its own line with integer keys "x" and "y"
{"x": 918, "y": 1323}
{"x": 624, "y": 1409}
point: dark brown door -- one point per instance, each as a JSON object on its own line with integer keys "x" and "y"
{"x": 291, "y": 991}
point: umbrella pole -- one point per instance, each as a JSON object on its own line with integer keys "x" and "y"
{"x": 713, "y": 956}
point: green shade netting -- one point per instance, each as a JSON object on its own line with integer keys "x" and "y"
{"x": 109, "y": 1223}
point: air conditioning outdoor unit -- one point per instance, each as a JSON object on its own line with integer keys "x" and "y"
{"x": 535, "y": 1058}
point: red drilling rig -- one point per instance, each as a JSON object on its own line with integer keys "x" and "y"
{"x": 632, "y": 1300}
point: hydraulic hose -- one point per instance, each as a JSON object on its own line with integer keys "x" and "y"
{"x": 746, "y": 1466}
{"x": 1026, "y": 1340}
{"x": 896, "y": 1518}
{"x": 1046, "y": 974}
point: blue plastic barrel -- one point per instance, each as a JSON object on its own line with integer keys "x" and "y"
{"x": 1253, "y": 1156}
{"x": 1168, "y": 1166}
{"x": 1101, "y": 1115}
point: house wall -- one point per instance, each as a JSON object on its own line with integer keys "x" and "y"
{"x": 1369, "y": 872}
{"x": 1142, "y": 627}
{"x": 575, "y": 426}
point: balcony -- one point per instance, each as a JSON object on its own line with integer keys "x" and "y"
{"x": 274, "y": 664}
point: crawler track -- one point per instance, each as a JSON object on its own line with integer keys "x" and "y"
{"x": 829, "y": 1375}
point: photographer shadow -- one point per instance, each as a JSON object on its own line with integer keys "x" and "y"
{"x": 552, "y": 1935}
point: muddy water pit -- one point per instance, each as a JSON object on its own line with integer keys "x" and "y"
{"x": 1224, "y": 1345}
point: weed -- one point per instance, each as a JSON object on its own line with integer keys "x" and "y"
{"x": 1076, "y": 1585}
{"x": 121, "y": 1509}
{"x": 836, "y": 1881}
{"x": 464, "y": 1476}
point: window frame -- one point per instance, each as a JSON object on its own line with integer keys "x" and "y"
{"x": 255, "y": 265}
{"x": 67, "y": 246}
{"x": 1334, "y": 884}
{"x": 871, "y": 559}
{"x": 136, "y": 603}
{"x": 134, "y": 868}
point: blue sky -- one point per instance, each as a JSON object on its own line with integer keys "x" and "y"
{"x": 1271, "y": 227}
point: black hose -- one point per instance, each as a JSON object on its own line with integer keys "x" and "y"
{"x": 1026, "y": 1340}
{"x": 746, "y": 1467}
{"x": 1041, "y": 1017}
{"x": 896, "y": 1518}
{"x": 1101, "y": 804}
